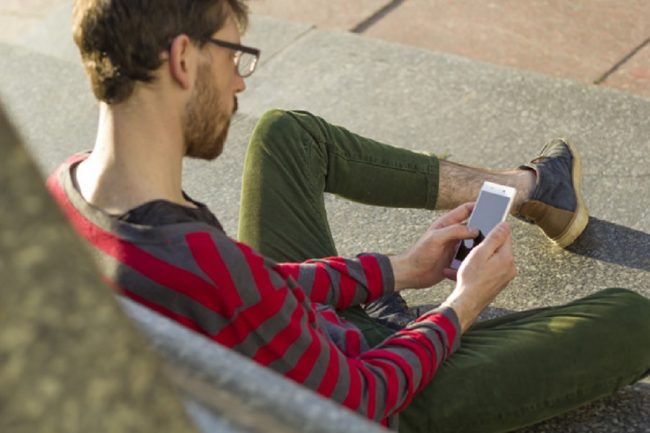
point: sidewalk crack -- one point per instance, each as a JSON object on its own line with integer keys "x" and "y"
{"x": 376, "y": 17}
{"x": 621, "y": 62}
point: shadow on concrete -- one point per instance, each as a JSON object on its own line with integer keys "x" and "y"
{"x": 613, "y": 243}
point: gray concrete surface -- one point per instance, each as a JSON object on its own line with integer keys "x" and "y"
{"x": 477, "y": 113}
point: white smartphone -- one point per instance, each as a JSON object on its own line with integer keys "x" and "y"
{"x": 492, "y": 207}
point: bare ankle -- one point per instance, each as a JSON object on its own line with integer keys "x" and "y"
{"x": 526, "y": 183}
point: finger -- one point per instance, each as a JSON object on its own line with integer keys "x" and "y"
{"x": 493, "y": 241}
{"x": 451, "y": 274}
{"x": 455, "y": 216}
{"x": 456, "y": 232}
{"x": 504, "y": 253}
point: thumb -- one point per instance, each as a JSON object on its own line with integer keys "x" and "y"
{"x": 494, "y": 240}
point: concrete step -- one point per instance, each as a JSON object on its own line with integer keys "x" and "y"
{"x": 475, "y": 113}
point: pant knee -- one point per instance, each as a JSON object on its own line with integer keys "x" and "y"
{"x": 271, "y": 126}
{"x": 285, "y": 127}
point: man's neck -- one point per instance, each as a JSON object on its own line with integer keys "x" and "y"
{"x": 137, "y": 158}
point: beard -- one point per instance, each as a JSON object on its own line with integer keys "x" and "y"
{"x": 205, "y": 123}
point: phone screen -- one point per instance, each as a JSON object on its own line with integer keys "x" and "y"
{"x": 489, "y": 210}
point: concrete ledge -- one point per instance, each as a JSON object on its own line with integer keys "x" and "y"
{"x": 241, "y": 392}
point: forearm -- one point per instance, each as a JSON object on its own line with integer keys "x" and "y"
{"x": 342, "y": 282}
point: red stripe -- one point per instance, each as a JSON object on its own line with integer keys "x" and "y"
{"x": 352, "y": 342}
{"x": 347, "y": 285}
{"x": 320, "y": 288}
{"x": 392, "y": 384}
{"x": 406, "y": 369}
{"x": 207, "y": 256}
{"x": 306, "y": 362}
{"x": 427, "y": 363}
{"x": 331, "y": 377}
{"x": 353, "y": 398}
{"x": 289, "y": 269}
{"x": 371, "y": 392}
{"x": 446, "y": 324}
{"x": 259, "y": 270}
{"x": 421, "y": 338}
{"x": 282, "y": 341}
{"x": 251, "y": 318}
{"x": 330, "y": 316}
{"x": 180, "y": 319}
{"x": 155, "y": 269}
{"x": 432, "y": 353}
{"x": 373, "y": 275}
{"x": 160, "y": 309}
{"x": 408, "y": 372}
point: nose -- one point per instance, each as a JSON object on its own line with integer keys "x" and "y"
{"x": 240, "y": 84}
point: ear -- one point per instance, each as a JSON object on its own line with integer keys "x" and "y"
{"x": 181, "y": 59}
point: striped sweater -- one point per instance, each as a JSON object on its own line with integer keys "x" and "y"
{"x": 282, "y": 315}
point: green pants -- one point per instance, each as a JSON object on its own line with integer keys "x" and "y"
{"x": 509, "y": 372}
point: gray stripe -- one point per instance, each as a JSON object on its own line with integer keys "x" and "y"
{"x": 442, "y": 337}
{"x": 381, "y": 390}
{"x": 239, "y": 269}
{"x": 334, "y": 294}
{"x": 279, "y": 282}
{"x": 388, "y": 277}
{"x": 411, "y": 359}
{"x": 175, "y": 251}
{"x": 356, "y": 271}
{"x": 416, "y": 376}
{"x": 295, "y": 351}
{"x": 127, "y": 278}
{"x": 402, "y": 378}
{"x": 269, "y": 329}
{"x": 343, "y": 382}
{"x": 320, "y": 366}
{"x": 306, "y": 277}
{"x": 436, "y": 336}
{"x": 451, "y": 315}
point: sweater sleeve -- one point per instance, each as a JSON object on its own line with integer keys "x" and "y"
{"x": 343, "y": 282}
{"x": 278, "y": 329}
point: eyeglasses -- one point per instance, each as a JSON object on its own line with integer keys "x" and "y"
{"x": 245, "y": 57}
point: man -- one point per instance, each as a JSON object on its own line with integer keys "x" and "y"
{"x": 166, "y": 73}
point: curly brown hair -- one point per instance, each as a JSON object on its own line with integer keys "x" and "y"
{"x": 120, "y": 41}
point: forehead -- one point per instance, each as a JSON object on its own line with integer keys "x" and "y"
{"x": 230, "y": 31}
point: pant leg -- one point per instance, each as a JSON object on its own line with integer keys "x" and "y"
{"x": 294, "y": 157}
{"x": 523, "y": 368}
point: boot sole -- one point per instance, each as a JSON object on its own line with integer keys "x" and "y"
{"x": 581, "y": 216}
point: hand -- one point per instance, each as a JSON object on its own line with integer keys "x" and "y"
{"x": 423, "y": 265}
{"x": 484, "y": 273}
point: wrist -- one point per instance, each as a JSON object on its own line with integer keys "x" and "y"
{"x": 400, "y": 272}
{"x": 464, "y": 311}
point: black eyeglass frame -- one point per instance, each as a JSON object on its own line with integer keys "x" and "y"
{"x": 241, "y": 49}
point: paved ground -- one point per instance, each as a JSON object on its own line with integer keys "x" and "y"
{"x": 500, "y": 115}
{"x": 606, "y": 42}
